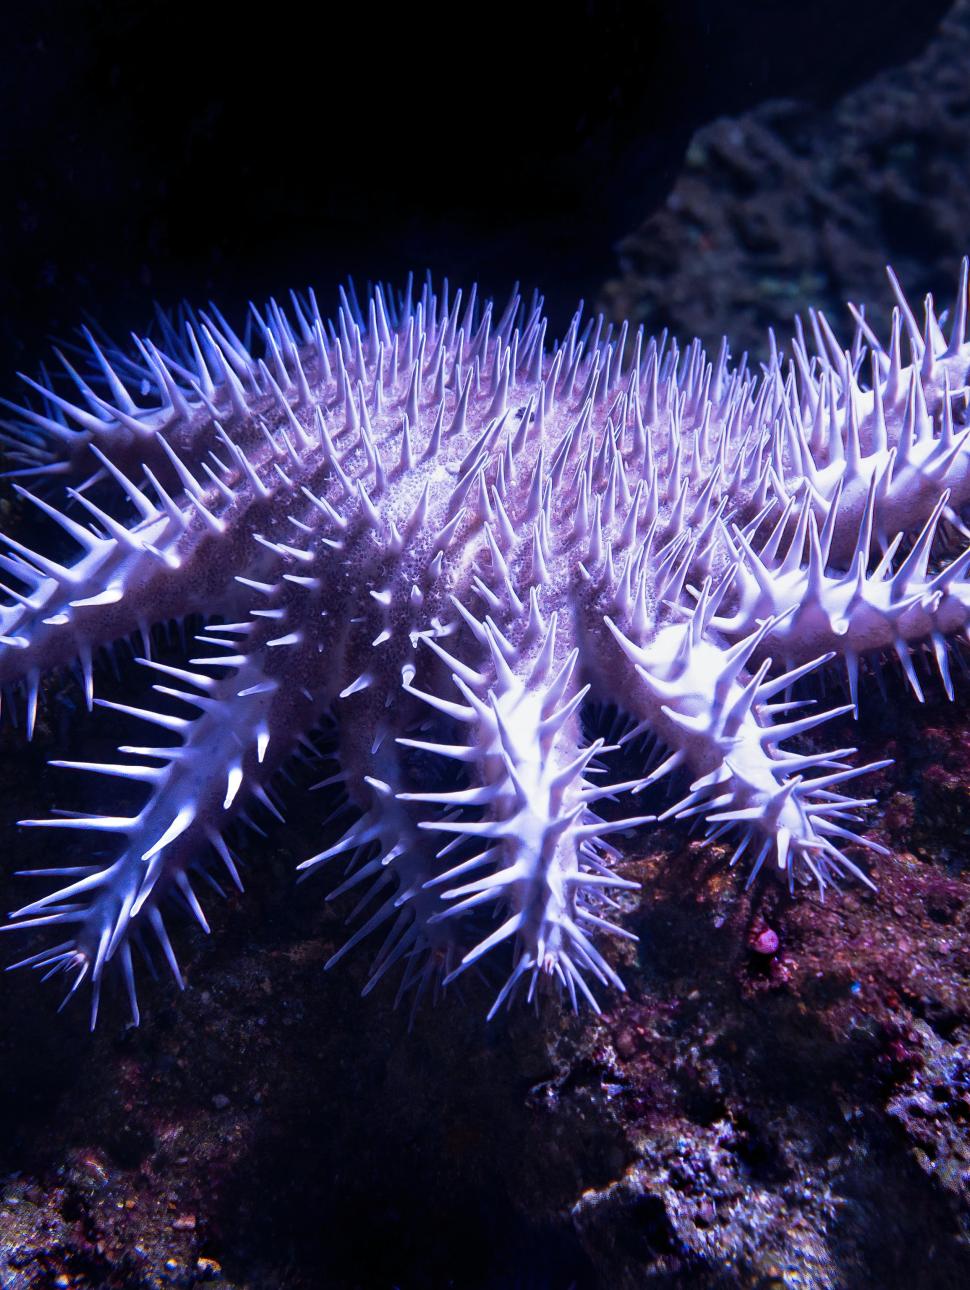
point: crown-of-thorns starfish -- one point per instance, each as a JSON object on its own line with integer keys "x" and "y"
{"x": 443, "y": 539}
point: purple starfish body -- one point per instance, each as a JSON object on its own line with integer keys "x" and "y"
{"x": 431, "y": 533}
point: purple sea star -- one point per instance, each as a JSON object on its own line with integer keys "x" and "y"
{"x": 430, "y": 532}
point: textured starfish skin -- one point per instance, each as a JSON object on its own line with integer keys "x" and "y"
{"x": 442, "y": 540}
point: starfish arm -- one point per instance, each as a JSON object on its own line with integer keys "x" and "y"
{"x": 198, "y": 379}
{"x": 224, "y": 762}
{"x": 127, "y": 578}
{"x": 182, "y": 503}
{"x": 833, "y": 439}
{"x": 526, "y": 845}
{"x": 388, "y": 861}
{"x": 871, "y": 607}
{"x": 695, "y": 696}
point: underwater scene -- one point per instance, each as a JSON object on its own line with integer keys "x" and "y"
{"x": 484, "y": 618}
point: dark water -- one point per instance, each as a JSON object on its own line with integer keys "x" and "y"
{"x": 158, "y": 151}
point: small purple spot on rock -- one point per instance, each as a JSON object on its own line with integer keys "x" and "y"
{"x": 766, "y": 942}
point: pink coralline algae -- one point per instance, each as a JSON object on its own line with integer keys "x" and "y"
{"x": 447, "y": 548}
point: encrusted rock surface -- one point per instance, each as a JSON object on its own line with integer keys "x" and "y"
{"x": 800, "y": 1118}
{"x": 789, "y": 206}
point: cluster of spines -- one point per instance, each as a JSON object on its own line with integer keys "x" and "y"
{"x": 200, "y": 774}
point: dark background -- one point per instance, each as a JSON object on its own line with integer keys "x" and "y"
{"x": 151, "y": 151}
